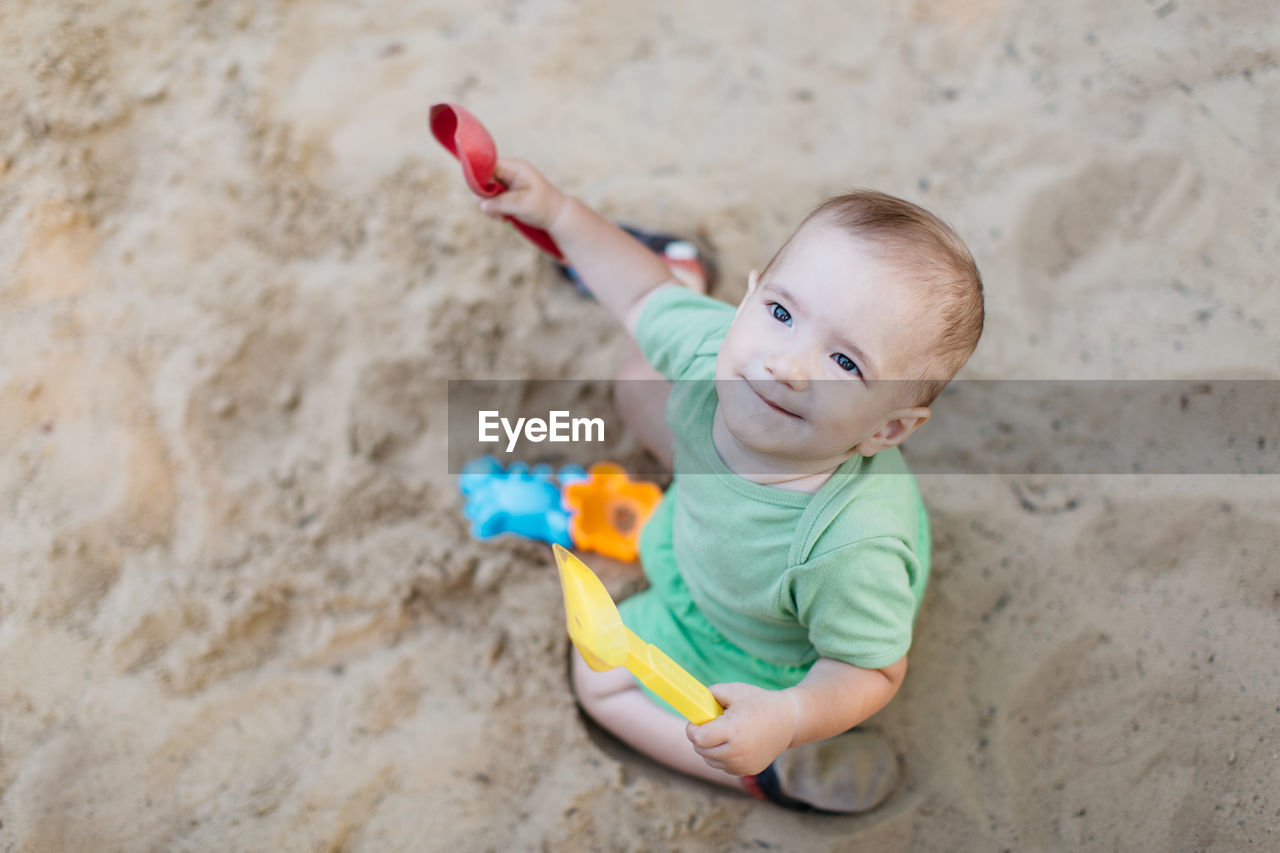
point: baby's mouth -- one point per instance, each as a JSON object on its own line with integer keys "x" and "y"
{"x": 772, "y": 404}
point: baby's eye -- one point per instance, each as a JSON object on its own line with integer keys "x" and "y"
{"x": 846, "y": 363}
{"x": 781, "y": 314}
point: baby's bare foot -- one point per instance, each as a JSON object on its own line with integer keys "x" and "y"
{"x": 683, "y": 259}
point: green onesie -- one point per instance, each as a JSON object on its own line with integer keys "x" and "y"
{"x": 754, "y": 583}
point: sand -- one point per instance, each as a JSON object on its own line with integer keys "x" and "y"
{"x": 239, "y": 606}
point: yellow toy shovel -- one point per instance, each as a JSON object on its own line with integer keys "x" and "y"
{"x": 596, "y": 629}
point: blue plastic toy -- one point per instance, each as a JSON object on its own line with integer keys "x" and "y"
{"x": 517, "y": 500}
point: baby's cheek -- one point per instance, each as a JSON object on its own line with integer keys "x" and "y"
{"x": 726, "y": 362}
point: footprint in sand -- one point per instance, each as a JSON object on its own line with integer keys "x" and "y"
{"x": 1068, "y": 219}
{"x": 91, "y": 471}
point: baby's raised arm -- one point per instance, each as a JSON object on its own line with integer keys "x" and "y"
{"x": 617, "y": 269}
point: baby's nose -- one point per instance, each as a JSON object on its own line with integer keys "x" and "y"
{"x": 788, "y": 369}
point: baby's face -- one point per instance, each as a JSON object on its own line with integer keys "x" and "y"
{"x": 802, "y": 372}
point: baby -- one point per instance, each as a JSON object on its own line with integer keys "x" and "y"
{"x": 787, "y": 561}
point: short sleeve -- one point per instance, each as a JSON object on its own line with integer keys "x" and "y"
{"x": 856, "y": 602}
{"x": 676, "y": 326}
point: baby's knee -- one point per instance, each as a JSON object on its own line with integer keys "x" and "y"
{"x": 585, "y": 685}
{"x": 591, "y": 687}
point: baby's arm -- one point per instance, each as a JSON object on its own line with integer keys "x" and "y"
{"x": 616, "y": 268}
{"x": 759, "y": 724}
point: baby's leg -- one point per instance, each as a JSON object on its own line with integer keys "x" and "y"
{"x": 615, "y": 701}
{"x": 847, "y": 774}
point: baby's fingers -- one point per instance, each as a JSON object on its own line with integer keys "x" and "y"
{"x": 725, "y": 757}
{"x": 721, "y": 752}
{"x": 707, "y": 735}
{"x": 513, "y": 173}
{"x": 717, "y": 765}
{"x": 510, "y": 203}
{"x": 528, "y": 198}
{"x": 505, "y": 170}
{"x": 716, "y": 756}
{"x": 493, "y": 208}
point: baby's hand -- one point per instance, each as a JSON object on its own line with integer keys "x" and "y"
{"x": 755, "y": 728}
{"x": 530, "y": 197}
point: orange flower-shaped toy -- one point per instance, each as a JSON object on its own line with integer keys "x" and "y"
{"x": 608, "y": 509}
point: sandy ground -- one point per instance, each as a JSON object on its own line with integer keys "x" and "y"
{"x": 239, "y": 608}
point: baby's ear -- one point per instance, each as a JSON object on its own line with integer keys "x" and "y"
{"x": 900, "y": 424}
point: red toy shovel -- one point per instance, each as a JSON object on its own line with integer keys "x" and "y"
{"x": 465, "y": 138}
